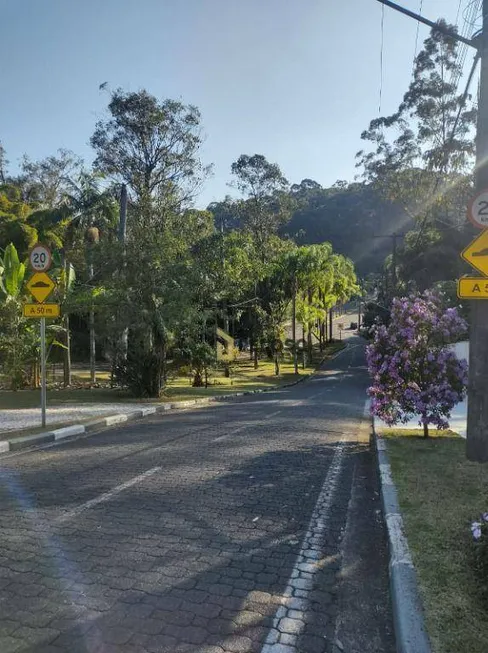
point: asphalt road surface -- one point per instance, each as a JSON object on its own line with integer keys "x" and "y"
{"x": 251, "y": 525}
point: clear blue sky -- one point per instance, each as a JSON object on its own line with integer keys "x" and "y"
{"x": 295, "y": 80}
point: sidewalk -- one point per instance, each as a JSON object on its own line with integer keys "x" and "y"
{"x": 30, "y": 418}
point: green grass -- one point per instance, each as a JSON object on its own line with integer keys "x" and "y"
{"x": 243, "y": 378}
{"x": 440, "y": 493}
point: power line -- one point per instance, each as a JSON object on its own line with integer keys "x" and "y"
{"x": 451, "y": 137}
{"x": 381, "y": 56}
{"x": 458, "y": 11}
{"x": 417, "y": 35}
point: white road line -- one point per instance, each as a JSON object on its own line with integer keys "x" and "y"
{"x": 106, "y": 496}
{"x": 289, "y": 617}
{"x": 306, "y": 564}
{"x": 273, "y": 414}
{"x": 234, "y": 431}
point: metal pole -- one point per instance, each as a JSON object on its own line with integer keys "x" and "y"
{"x": 43, "y": 372}
{"x": 477, "y": 431}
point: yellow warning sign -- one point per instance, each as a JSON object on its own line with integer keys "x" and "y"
{"x": 473, "y": 288}
{"x": 40, "y": 286}
{"x": 476, "y": 253}
{"x": 41, "y": 310}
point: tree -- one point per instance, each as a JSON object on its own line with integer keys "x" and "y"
{"x": 266, "y": 206}
{"x": 3, "y": 165}
{"x": 153, "y": 147}
{"x": 226, "y": 214}
{"x": 47, "y": 182}
{"x": 413, "y": 370}
{"x": 422, "y": 152}
{"x": 14, "y": 224}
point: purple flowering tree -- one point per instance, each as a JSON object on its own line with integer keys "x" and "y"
{"x": 414, "y": 370}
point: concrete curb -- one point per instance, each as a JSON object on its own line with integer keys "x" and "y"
{"x": 74, "y": 430}
{"x": 408, "y": 615}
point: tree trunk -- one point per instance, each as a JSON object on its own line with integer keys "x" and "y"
{"x": 93, "y": 372}
{"x": 426, "y": 430}
{"x": 277, "y": 365}
{"x": 330, "y": 324}
{"x": 255, "y": 355}
{"x": 309, "y": 329}
{"x": 91, "y": 326}
{"x": 67, "y": 354}
{"x": 294, "y": 326}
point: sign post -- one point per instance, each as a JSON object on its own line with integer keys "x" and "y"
{"x": 43, "y": 372}
{"x": 40, "y": 286}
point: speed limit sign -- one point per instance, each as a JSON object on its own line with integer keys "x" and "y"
{"x": 40, "y": 258}
{"x": 478, "y": 210}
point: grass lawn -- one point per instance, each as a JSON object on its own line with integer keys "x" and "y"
{"x": 244, "y": 377}
{"x": 440, "y": 493}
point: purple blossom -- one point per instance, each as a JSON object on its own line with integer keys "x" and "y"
{"x": 476, "y": 530}
{"x": 414, "y": 371}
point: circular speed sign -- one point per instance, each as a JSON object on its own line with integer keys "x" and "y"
{"x": 40, "y": 258}
{"x": 478, "y": 210}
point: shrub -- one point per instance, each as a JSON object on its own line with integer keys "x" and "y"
{"x": 413, "y": 369}
{"x": 140, "y": 372}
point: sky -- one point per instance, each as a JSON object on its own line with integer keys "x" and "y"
{"x": 295, "y": 80}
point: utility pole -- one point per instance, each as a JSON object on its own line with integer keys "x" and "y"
{"x": 294, "y": 324}
{"x": 477, "y": 431}
{"x": 394, "y": 255}
{"x": 43, "y": 372}
{"x": 124, "y": 337}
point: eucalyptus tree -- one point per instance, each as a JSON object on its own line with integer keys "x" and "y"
{"x": 422, "y": 154}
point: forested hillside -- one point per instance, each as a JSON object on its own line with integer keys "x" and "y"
{"x": 354, "y": 218}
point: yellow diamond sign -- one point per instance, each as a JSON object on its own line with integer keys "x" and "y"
{"x": 476, "y": 253}
{"x": 40, "y": 286}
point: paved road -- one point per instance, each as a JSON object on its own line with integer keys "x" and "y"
{"x": 248, "y": 526}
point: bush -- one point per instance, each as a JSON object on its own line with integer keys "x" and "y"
{"x": 413, "y": 370}
{"x": 140, "y": 372}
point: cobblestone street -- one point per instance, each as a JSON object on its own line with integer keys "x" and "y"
{"x": 218, "y": 530}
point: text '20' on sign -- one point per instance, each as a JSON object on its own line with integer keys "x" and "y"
{"x": 40, "y": 258}
{"x": 478, "y": 210}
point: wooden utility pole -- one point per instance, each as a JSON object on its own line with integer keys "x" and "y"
{"x": 477, "y": 430}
